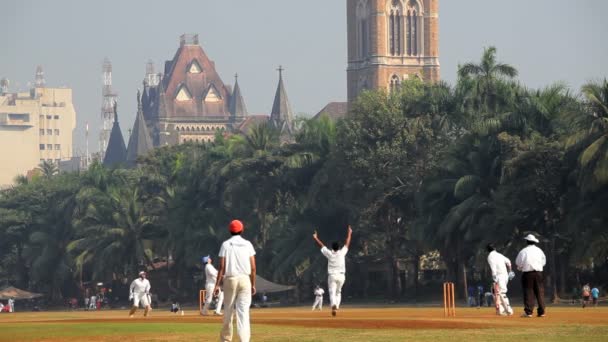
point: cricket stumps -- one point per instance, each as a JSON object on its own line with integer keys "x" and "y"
{"x": 449, "y": 303}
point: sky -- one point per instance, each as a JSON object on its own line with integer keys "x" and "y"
{"x": 546, "y": 40}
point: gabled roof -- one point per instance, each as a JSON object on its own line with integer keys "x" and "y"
{"x": 140, "y": 142}
{"x": 211, "y": 88}
{"x": 333, "y": 110}
{"x": 237, "y": 104}
{"x": 116, "y": 153}
{"x": 177, "y": 74}
{"x": 281, "y": 115}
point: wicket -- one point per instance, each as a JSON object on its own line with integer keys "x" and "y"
{"x": 449, "y": 304}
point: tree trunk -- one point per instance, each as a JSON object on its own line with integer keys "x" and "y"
{"x": 553, "y": 280}
{"x": 416, "y": 275}
{"x": 465, "y": 285}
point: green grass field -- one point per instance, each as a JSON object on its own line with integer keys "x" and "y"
{"x": 299, "y": 324}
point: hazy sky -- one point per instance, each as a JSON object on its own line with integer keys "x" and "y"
{"x": 547, "y": 40}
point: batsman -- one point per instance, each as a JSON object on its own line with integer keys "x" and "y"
{"x": 501, "y": 274}
{"x": 139, "y": 292}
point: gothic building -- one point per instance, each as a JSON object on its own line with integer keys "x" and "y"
{"x": 189, "y": 102}
{"x": 390, "y": 41}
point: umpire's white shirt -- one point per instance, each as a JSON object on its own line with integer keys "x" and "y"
{"x": 139, "y": 286}
{"x": 531, "y": 259}
{"x": 237, "y": 252}
{"x": 210, "y": 275}
{"x": 335, "y": 260}
{"x": 498, "y": 263}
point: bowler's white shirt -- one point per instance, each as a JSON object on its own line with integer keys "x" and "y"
{"x": 210, "y": 275}
{"x": 531, "y": 259}
{"x": 237, "y": 253}
{"x": 498, "y": 263}
{"x": 335, "y": 260}
{"x": 139, "y": 286}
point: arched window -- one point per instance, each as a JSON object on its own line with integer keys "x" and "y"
{"x": 413, "y": 28}
{"x": 362, "y": 29}
{"x": 395, "y": 83}
{"x": 395, "y": 28}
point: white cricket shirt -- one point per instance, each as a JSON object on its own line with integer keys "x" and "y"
{"x": 498, "y": 263}
{"x": 210, "y": 275}
{"x": 319, "y": 292}
{"x": 139, "y": 286}
{"x": 237, "y": 252}
{"x": 336, "y": 263}
{"x": 531, "y": 259}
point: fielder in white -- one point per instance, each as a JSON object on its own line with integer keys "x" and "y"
{"x": 140, "y": 293}
{"x": 237, "y": 272}
{"x": 501, "y": 274}
{"x": 210, "y": 280}
{"x": 336, "y": 269}
{"x": 318, "y": 298}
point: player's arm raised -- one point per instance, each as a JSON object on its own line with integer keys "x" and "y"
{"x": 220, "y": 275}
{"x": 316, "y": 238}
{"x": 348, "y": 237}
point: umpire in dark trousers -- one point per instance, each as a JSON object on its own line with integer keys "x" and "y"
{"x": 531, "y": 261}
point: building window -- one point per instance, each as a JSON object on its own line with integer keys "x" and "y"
{"x": 42, "y": 147}
{"x": 57, "y": 147}
{"x": 56, "y": 117}
{"x": 413, "y": 27}
{"x": 49, "y": 117}
{"x": 395, "y": 28}
{"x": 56, "y": 132}
{"x": 49, "y": 146}
{"x": 41, "y": 117}
{"x": 41, "y": 131}
{"x": 362, "y": 30}
{"x": 49, "y": 132}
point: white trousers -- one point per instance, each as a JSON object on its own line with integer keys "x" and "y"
{"x": 500, "y": 295}
{"x": 334, "y": 285}
{"x": 141, "y": 298}
{"x": 209, "y": 298}
{"x": 318, "y": 302}
{"x": 237, "y": 299}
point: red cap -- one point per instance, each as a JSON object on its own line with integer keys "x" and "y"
{"x": 235, "y": 226}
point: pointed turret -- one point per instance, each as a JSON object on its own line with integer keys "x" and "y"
{"x": 281, "y": 116}
{"x": 140, "y": 142}
{"x": 116, "y": 153}
{"x": 237, "y": 104}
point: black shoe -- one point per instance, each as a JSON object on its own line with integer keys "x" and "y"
{"x": 334, "y": 310}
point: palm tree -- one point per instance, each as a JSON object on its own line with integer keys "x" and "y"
{"x": 118, "y": 242}
{"x": 487, "y": 76}
{"x": 48, "y": 169}
{"x": 591, "y": 137}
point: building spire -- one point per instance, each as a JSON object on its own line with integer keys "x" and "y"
{"x": 281, "y": 116}
{"x": 140, "y": 141}
{"x": 237, "y": 107}
{"x": 116, "y": 152}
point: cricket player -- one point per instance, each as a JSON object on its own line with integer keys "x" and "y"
{"x": 318, "y": 298}
{"x": 237, "y": 272}
{"x": 501, "y": 274}
{"x": 336, "y": 269}
{"x": 140, "y": 293}
{"x": 210, "y": 280}
{"x": 531, "y": 261}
